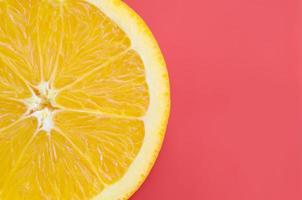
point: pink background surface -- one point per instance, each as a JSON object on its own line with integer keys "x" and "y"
{"x": 235, "y": 131}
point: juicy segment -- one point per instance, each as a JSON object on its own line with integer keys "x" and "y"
{"x": 51, "y": 168}
{"x": 11, "y": 85}
{"x": 100, "y": 95}
{"x": 12, "y": 90}
{"x": 10, "y": 111}
{"x": 90, "y": 40}
{"x": 109, "y": 143}
{"x": 13, "y": 140}
{"x": 117, "y": 88}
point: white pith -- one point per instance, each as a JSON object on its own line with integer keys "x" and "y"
{"x": 43, "y": 115}
{"x": 44, "y": 118}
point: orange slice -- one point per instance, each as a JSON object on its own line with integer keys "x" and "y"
{"x": 84, "y": 96}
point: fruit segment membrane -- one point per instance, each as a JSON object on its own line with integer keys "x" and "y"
{"x": 72, "y": 95}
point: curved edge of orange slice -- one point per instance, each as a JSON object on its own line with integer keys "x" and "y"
{"x": 156, "y": 118}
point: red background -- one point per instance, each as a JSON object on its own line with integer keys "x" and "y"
{"x": 235, "y": 130}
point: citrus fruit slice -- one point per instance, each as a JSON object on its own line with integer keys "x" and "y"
{"x": 84, "y": 96}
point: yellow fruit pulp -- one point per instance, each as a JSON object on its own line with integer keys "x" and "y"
{"x": 73, "y": 93}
